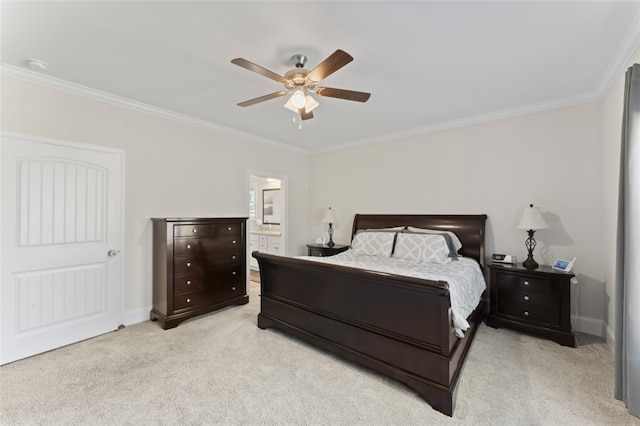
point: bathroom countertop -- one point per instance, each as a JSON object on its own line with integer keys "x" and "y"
{"x": 272, "y": 233}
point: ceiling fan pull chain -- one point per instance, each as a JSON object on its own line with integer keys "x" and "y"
{"x": 299, "y": 120}
{"x": 293, "y": 117}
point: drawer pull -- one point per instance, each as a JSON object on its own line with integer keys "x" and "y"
{"x": 188, "y": 282}
{"x": 234, "y": 272}
{"x": 526, "y": 283}
{"x": 188, "y": 246}
{"x": 233, "y": 288}
{"x": 234, "y": 241}
{"x": 188, "y": 300}
{"x": 195, "y": 230}
{"x": 526, "y": 314}
{"x": 526, "y": 298}
{"x": 233, "y": 257}
{"x": 188, "y": 264}
{"x": 228, "y": 228}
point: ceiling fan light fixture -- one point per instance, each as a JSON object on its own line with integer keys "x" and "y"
{"x": 290, "y": 106}
{"x": 311, "y": 104}
{"x": 298, "y": 99}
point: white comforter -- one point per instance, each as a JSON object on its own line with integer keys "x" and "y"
{"x": 465, "y": 279}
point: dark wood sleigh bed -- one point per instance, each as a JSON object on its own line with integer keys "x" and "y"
{"x": 398, "y": 326}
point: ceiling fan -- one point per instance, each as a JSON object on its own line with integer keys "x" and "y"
{"x": 300, "y": 83}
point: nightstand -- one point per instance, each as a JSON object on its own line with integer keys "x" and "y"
{"x": 533, "y": 301}
{"x": 322, "y": 250}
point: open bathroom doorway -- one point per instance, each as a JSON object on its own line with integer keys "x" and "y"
{"x": 267, "y": 217}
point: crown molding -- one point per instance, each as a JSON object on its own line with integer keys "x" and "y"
{"x": 621, "y": 58}
{"x": 97, "y": 95}
{"x": 616, "y": 67}
{"x": 468, "y": 121}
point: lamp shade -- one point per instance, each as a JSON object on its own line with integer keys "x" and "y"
{"x": 298, "y": 99}
{"x": 311, "y": 104}
{"x": 290, "y": 106}
{"x": 532, "y": 219}
{"x": 329, "y": 216}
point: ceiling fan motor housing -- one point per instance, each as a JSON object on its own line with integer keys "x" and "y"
{"x": 299, "y": 60}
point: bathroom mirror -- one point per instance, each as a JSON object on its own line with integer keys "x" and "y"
{"x": 271, "y": 206}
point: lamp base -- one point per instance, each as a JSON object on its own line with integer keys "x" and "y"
{"x": 530, "y": 263}
{"x": 330, "y": 243}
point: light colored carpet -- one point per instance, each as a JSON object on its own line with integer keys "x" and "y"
{"x": 222, "y": 369}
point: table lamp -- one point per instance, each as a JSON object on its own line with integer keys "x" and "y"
{"x": 531, "y": 221}
{"x": 330, "y": 218}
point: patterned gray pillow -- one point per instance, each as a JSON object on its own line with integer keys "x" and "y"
{"x": 373, "y": 243}
{"x": 422, "y": 248}
{"x": 453, "y": 242}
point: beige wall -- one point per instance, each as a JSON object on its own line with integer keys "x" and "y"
{"x": 564, "y": 160}
{"x": 612, "y": 107}
{"x": 172, "y": 169}
{"x": 551, "y": 159}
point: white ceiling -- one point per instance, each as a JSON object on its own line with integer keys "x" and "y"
{"x": 428, "y": 65}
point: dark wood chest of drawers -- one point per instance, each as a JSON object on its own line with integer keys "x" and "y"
{"x": 199, "y": 265}
{"x": 533, "y": 301}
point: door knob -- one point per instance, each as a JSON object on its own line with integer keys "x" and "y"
{"x": 113, "y": 252}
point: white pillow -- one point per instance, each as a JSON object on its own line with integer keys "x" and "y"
{"x": 373, "y": 243}
{"x": 422, "y": 248}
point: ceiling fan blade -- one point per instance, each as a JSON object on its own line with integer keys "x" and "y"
{"x": 260, "y": 70}
{"x": 333, "y": 63}
{"x": 349, "y": 95}
{"x": 261, "y": 99}
{"x": 306, "y": 115}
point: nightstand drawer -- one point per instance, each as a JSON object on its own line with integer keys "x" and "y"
{"x": 317, "y": 252}
{"x": 534, "y": 315}
{"x": 511, "y": 294}
{"x": 526, "y": 283}
{"x": 321, "y": 250}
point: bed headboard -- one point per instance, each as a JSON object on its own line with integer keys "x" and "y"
{"x": 468, "y": 228}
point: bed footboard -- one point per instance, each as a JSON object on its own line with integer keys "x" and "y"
{"x": 397, "y": 326}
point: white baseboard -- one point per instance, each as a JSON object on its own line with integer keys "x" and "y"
{"x": 610, "y": 338}
{"x": 587, "y": 325}
{"x": 136, "y": 315}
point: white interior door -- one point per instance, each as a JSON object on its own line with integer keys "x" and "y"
{"x": 62, "y": 270}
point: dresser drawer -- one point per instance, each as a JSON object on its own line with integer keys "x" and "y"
{"x": 189, "y": 300}
{"x": 186, "y": 246}
{"x": 539, "y": 285}
{"x": 188, "y": 283}
{"x": 205, "y": 263}
{"x": 197, "y": 230}
{"x": 210, "y": 296}
{"x": 511, "y": 294}
{"x": 224, "y": 229}
{"x": 531, "y": 314}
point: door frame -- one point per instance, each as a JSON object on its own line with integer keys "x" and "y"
{"x": 284, "y": 193}
{"x": 120, "y": 153}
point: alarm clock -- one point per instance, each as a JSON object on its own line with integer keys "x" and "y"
{"x": 503, "y": 258}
